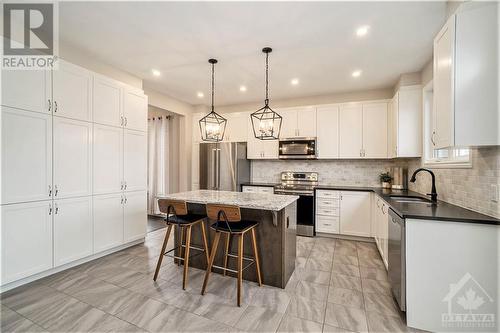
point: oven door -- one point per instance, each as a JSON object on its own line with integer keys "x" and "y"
{"x": 297, "y": 148}
{"x": 305, "y": 215}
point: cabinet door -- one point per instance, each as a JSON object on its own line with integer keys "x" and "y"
{"x": 72, "y": 158}
{"x": 107, "y": 159}
{"x": 236, "y": 128}
{"x": 72, "y": 92}
{"x": 328, "y": 132}
{"x": 392, "y": 126}
{"x": 135, "y": 109}
{"x": 288, "y": 123}
{"x": 306, "y": 123}
{"x": 270, "y": 149}
{"x": 72, "y": 229}
{"x": 107, "y": 101}
{"x": 135, "y": 217}
{"x": 108, "y": 221}
{"x": 26, "y": 156}
{"x": 135, "y": 167}
{"x": 196, "y": 127}
{"x": 444, "y": 58}
{"x": 254, "y": 146}
{"x": 384, "y": 232}
{"x": 355, "y": 213}
{"x": 409, "y": 122}
{"x": 26, "y": 239}
{"x": 375, "y": 130}
{"x": 27, "y": 90}
{"x": 351, "y": 131}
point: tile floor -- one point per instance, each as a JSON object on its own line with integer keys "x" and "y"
{"x": 338, "y": 286}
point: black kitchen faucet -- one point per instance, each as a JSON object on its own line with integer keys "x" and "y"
{"x": 433, "y": 193}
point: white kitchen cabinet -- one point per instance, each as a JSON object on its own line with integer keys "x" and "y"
{"x": 351, "y": 131}
{"x": 107, "y": 101}
{"x": 327, "y": 224}
{"x": 26, "y": 156}
{"x": 27, "y": 90}
{"x": 327, "y": 211}
{"x": 107, "y": 159}
{"x": 72, "y": 229}
{"x": 195, "y": 167}
{"x": 257, "y": 189}
{"x": 355, "y": 217}
{"x": 269, "y": 149}
{"x": 134, "y": 215}
{"x": 135, "y": 109}
{"x": 236, "y": 127}
{"x": 327, "y": 124}
{"x": 135, "y": 160}
{"x": 72, "y": 91}
{"x": 196, "y": 128}
{"x": 72, "y": 158}
{"x": 405, "y": 123}
{"x": 260, "y": 149}
{"x": 380, "y": 229}
{"x": 298, "y": 122}
{"x": 107, "y": 221}
{"x": 26, "y": 234}
{"x": 375, "y": 130}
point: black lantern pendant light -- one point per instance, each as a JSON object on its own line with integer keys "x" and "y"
{"x": 213, "y": 125}
{"x": 266, "y": 123}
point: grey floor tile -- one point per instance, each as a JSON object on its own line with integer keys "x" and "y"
{"x": 352, "y": 319}
{"x": 346, "y": 282}
{"x": 224, "y": 311}
{"x": 259, "y": 319}
{"x": 345, "y": 259}
{"x": 300, "y": 262}
{"x": 113, "y": 324}
{"x": 321, "y": 255}
{"x": 346, "y": 251}
{"x": 195, "y": 303}
{"x": 376, "y": 286}
{"x": 381, "y": 303}
{"x": 351, "y": 270}
{"x": 371, "y": 262}
{"x": 10, "y": 321}
{"x": 378, "y": 322}
{"x": 318, "y": 264}
{"x": 87, "y": 320}
{"x": 176, "y": 320}
{"x": 346, "y": 297}
{"x": 316, "y": 276}
{"x": 318, "y": 292}
{"x": 373, "y": 273}
{"x": 293, "y": 324}
{"x": 331, "y": 329}
{"x": 271, "y": 298}
{"x": 305, "y": 308}
{"x": 142, "y": 314}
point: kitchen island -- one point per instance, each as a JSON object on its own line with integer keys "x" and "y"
{"x": 276, "y": 232}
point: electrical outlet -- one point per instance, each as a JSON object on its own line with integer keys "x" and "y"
{"x": 495, "y": 192}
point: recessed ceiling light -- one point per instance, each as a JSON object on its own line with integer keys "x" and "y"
{"x": 362, "y": 31}
{"x": 243, "y": 88}
{"x": 356, "y": 73}
{"x": 200, "y": 94}
{"x": 156, "y": 72}
{"x": 295, "y": 82}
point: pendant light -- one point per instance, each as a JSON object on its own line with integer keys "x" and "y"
{"x": 266, "y": 123}
{"x": 213, "y": 125}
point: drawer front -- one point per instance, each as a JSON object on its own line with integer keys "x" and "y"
{"x": 327, "y": 194}
{"x": 327, "y": 203}
{"x": 327, "y": 224}
{"x": 249, "y": 189}
{"x": 268, "y": 190}
{"x": 328, "y": 211}
{"x": 258, "y": 189}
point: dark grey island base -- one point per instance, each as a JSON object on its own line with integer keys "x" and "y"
{"x": 276, "y": 243}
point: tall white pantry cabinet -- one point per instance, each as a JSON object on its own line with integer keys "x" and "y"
{"x": 74, "y": 168}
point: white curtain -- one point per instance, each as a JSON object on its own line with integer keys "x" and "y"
{"x": 158, "y": 160}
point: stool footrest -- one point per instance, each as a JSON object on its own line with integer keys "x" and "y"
{"x": 233, "y": 270}
{"x": 166, "y": 254}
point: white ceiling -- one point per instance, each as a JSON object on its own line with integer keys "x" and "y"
{"x": 315, "y": 42}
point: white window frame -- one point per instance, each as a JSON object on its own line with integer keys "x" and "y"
{"x": 454, "y": 159}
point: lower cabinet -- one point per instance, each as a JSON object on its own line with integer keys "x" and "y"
{"x": 72, "y": 229}
{"x": 328, "y": 211}
{"x": 108, "y": 221}
{"x": 134, "y": 216}
{"x": 381, "y": 228}
{"x": 26, "y": 236}
{"x": 355, "y": 217}
{"x": 257, "y": 189}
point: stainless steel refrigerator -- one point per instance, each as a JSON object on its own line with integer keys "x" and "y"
{"x": 223, "y": 166}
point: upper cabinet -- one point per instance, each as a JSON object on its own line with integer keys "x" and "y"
{"x": 72, "y": 93}
{"x": 107, "y": 101}
{"x": 351, "y": 131}
{"x": 135, "y": 109}
{"x": 405, "y": 123}
{"x": 260, "y": 149}
{"x": 466, "y": 78}
{"x": 375, "y": 130}
{"x": 298, "y": 122}
{"x": 327, "y": 124}
{"x": 27, "y": 90}
{"x": 236, "y": 127}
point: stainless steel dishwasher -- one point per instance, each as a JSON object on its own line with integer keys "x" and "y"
{"x": 397, "y": 258}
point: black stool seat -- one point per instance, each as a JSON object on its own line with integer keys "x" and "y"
{"x": 185, "y": 219}
{"x": 234, "y": 227}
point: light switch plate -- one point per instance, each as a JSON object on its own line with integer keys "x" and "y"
{"x": 494, "y": 192}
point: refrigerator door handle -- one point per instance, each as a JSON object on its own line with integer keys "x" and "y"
{"x": 217, "y": 168}
{"x": 214, "y": 169}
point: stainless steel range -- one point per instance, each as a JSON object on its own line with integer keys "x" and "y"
{"x": 301, "y": 184}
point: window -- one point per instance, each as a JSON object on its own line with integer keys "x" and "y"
{"x": 453, "y": 157}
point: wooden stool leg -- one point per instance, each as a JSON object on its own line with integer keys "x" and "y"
{"x": 240, "y": 266}
{"x": 205, "y": 243}
{"x": 211, "y": 261}
{"x": 164, "y": 246}
{"x": 226, "y": 252}
{"x": 256, "y": 256}
{"x": 186, "y": 257}
{"x": 182, "y": 241}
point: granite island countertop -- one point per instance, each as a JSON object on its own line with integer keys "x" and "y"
{"x": 264, "y": 201}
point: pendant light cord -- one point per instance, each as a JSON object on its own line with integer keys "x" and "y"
{"x": 213, "y": 86}
{"x": 267, "y": 78}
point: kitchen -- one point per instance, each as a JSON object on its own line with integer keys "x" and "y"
{"x": 327, "y": 190}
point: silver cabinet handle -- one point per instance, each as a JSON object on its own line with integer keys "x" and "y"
{"x": 125, "y": 201}
{"x": 57, "y": 208}
{"x": 56, "y": 190}
{"x": 432, "y": 138}
{"x": 121, "y": 185}
{"x": 126, "y": 121}
{"x": 55, "y": 106}
{"x": 50, "y": 191}
{"x": 121, "y": 200}
{"x": 50, "y": 209}
{"x": 121, "y": 120}
{"x": 50, "y": 104}
{"x": 383, "y": 206}
{"x": 125, "y": 187}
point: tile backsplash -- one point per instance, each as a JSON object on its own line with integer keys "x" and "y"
{"x": 469, "y": 188}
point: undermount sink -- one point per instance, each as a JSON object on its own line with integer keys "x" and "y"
{"x": 409, "y": 199}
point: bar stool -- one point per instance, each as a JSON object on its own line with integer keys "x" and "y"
{"x": 177, "y": 215}
{"x": 228, "y": 222}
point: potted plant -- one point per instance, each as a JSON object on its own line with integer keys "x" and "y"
{"x": 385, "y": 179}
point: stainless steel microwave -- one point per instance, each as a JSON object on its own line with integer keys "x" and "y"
{"x": 297, "y": 148}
